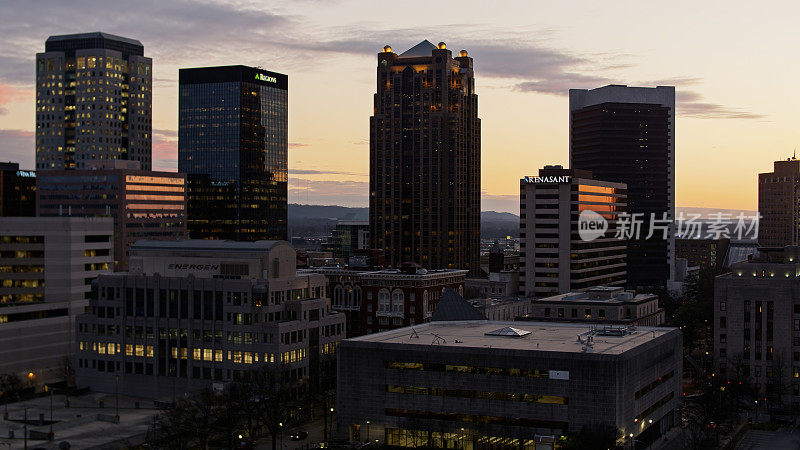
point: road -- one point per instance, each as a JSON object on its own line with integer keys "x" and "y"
{"x": 779, "y": 440}
{"x": 315, "y": 435}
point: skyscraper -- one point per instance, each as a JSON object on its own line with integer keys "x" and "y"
{"x": 627, "y": 135}
{"x": 232, "y": 144}
{"x": 425, "y": 157}
{"x": 779, "y": 204}
{"x": 93, "y": 101}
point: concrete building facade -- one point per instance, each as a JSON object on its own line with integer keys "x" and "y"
{"x": 471, "y": 384}
{"x": 192, "y": 313}
{"x": 757, "y": 322}
{"x": 46, "y": 269}
{"x": 555, "y": 258}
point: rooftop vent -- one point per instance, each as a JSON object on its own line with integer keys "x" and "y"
{"x": 509, "y": 332}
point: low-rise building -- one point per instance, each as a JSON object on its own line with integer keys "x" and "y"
{"x": 47, "y": 265}
{"x": 191, "y": 313}
{"x": 508, "y": 308}
{"x": 601, "y": 304}
{"x": 378, "y": 300}
{"x": 705, "y": 253}
{"x": 497, "y": 285}
{"x": 476, "y": 384}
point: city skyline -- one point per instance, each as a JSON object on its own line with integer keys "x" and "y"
{"x": 527, "y": 59}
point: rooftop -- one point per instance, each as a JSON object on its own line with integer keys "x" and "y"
{"x": 422, "y": 49}
{"x": 599, "y": 294}
{"x": 543, "y": 337}
{"x": 206, "y": 245}
{"x": 93, "y": 35}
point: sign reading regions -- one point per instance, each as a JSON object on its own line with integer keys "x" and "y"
{"x": 548, "y": 179}
{"x": 266, "y": 78}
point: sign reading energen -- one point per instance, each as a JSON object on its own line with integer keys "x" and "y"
{"x": 266, "y": 78}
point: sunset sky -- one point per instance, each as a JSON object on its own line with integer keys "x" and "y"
{"x": 734, "y": 66}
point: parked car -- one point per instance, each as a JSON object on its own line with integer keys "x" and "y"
{"x": 298, "y": 435}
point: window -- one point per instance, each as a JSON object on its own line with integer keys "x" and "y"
{"x": 384, "y": 303}
{"x": 723, "y": 323}
{"x": 722, "y": 353}
{"x": 561, "y": 312}
{"x": 574, "y": 312}
{"x": 547, "y": 312}
{"x": 723, "y": 338}
{"x": 722, "y": 306}
{"x": 587, "y": 313}
{"x": 398, "y": 299}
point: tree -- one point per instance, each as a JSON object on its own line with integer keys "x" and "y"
{"x": 269, "y": 397}
{"x": 11, "y": 388}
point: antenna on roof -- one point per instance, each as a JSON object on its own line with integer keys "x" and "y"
{"x": 438, "y": 339}
{"x": 414, "y": 334}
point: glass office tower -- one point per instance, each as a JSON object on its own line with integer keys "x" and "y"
{"x": 232, "y": 145}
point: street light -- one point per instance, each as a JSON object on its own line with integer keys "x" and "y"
{"x": 116, "y": 394}
{"x": 368, "y": 431}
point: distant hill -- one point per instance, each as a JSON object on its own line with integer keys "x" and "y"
{"x": 315, "y": 220}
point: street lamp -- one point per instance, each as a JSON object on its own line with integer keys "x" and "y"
{"x": 116, "y": 394}
{"x": 280, "y": 432}
{"x": 368, "y": 431}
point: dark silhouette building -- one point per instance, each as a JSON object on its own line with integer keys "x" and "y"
{"x": 779, "y": 205}
{"x": 627, "y": 135}
{"x": 17, "y": 191}
{"x": 232, "y": 145}
{"x": 425, "y": 159}
{"x": 94, "y": 97}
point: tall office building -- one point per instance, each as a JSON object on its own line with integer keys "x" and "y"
{"x": 555, "y": 258}
{"x": 143, "y": 203}
{"x": 46, "y": 269}
{"x": 627, "y": 135}
{"x": 93, "y": 101}
{"x": 17, "y": 191}
{"x": 232, "y": 144}
{"x": 425, "y": 159}
{"x": 779, "y": 204}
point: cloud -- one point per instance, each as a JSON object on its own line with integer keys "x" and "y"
{"x": 18, "y": 146}
{"x": 297, "y": 145}
{"x": 165, "y": 153}
{"x": 323, "y": 172}
{"x": 328, "y": 192}
{"x": 13, "y": 94}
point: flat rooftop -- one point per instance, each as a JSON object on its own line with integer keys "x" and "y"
{"x": 598, "y": 294}
{"x": 543, "y": 336}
